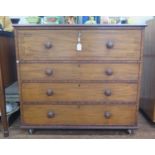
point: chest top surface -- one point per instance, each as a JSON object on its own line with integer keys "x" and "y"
{"x": 78, "y": 26}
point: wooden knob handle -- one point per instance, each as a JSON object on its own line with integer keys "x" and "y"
{"x": 50, "y": 114}
{"x": 108, "y": 92}
{"x": 48, "y": 71}
{"x": 109, "y": 44}
{"x": 49, "y": 92}
{"x": 109, "y": 71}
{"x": 107, "y": 114}
{"x": 48, "y": 45}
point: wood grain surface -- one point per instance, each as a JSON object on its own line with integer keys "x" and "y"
{"x": 79, "y": 115}
{"x": 78, "y": 92}
{"x": 126, "y": 45}
{"x": 79, "y": 71}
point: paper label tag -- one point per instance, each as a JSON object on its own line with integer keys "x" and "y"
{"x": 79, "y": 47}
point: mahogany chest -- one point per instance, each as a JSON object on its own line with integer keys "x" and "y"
{"x": 79, "y": 76}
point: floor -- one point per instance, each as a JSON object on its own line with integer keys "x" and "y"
{"x": 146, "y": 130}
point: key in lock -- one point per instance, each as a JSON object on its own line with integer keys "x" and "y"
{"x": 79, "y": 45}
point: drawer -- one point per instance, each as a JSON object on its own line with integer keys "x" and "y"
{"x": 96, "y": 44}
{"x": 81, "y": 92}
{"x": 77, "y": 71}
{"x": 79, "y": 114}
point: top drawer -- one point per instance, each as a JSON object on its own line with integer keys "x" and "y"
{"x": 62, "y": 44}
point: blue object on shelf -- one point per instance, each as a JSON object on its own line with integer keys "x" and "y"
{"x": 97, "y": 19}
{"x": 86, "y": 18}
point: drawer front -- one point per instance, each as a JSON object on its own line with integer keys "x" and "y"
{"x": 96, "y": 44}
{"x": 100, "y": 92}
{"x": 79, "y": 114}
{"x": 77, "y": 71}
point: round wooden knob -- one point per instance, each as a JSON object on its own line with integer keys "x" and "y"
{"x": 107, "y": 114}
{"x": 48, "y": 45}
{"x": 109, "y": 44}
{"x": 109, "y": 71}
{"x": 50, "y": 114}
{"x": 108, "y": 92}
{"x": 48, "y": 72}
{"x": 49, "y": 92}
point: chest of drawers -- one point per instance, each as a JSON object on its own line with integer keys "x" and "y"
{"x": 95, "y": 85}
